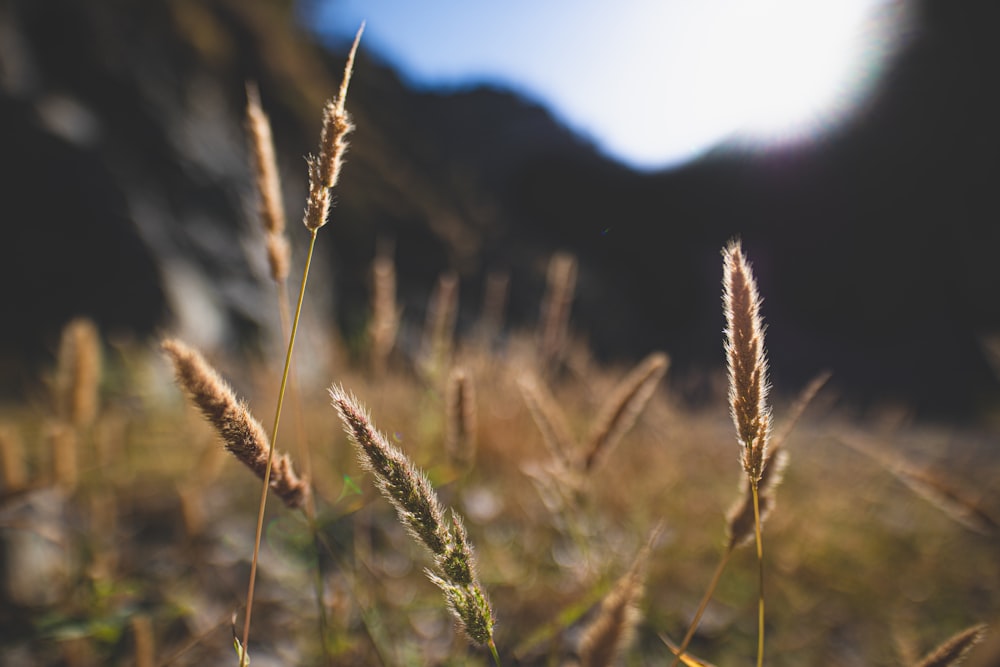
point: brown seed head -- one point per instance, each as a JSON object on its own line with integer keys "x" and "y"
{"x": 556, "y": 305}
{"x": 242, "y": 434}
{"x": 385, "y": 311}
{"x": 324, "y": 170}
{"x": 419, "y": 510}
{"x": 624, "y": 405}
{"x": 265, "y": 167}
{"x": 954, "y": 650}
{"x": 405, "y": 487}
{"x": 748, "y": 385}
{"x": 614, "y": 626}
{"x": 460, "y": 416}
{"x": 79, "y": 373}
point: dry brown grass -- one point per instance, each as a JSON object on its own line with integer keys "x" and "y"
{"x": 142, "y": 549}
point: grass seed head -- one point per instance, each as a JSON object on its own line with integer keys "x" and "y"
{"x": 954, "y": 650}
{"x": 242, "y": 434}
{"x": 746, "y": 359}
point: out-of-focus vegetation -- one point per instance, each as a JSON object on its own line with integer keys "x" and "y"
{"x": 129, "y": 534}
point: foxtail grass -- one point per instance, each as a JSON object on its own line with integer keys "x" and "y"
{"x": 78, "y": 374}
{"x": 623, "y": 407}
{"x": 945, "y": 495}
{"x": 271, "y": 204}
{"x": 613, "y": 628}
{"x": 242, "y": 434}
{"x": 385, "y": 312}
{"x": 417, "y": 506}
{"x": 495, "y": 295}
{"x": 740, "y": 520}
{"x": 461, "y": 417}
{"x": 954, "y": 650}
{"x": 556, "y": 304}
{"x": 324, "y": 171}
{"x": 439, "y": 327}
{"x": 550, "y": 420}
{"x": 272, "y": 215}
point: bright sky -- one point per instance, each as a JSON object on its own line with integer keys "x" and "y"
{"x": 651, "y": 82}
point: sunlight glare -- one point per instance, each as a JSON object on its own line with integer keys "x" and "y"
{"x": 797, "y": 68}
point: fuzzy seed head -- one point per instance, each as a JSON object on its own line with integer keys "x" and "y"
{"x": 747, "y": 363}
{"x": 242, "y": 434}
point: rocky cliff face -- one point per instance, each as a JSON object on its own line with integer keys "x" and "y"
{"x": 127, "y": 198}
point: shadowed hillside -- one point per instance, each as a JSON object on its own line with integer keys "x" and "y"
{"x": 126, "y": 179}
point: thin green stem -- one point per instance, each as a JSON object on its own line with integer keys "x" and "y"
{"x": 493, "y": 652}
{"x": 244, "y": 658}
{"x": 284, "y": 311}
{"x": 760, "y": 572}
{"x": 702, "y": 606}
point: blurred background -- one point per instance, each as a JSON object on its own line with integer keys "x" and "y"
{"x": 853, "y": 146}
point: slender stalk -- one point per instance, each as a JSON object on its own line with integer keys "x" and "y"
{"x": 493, "y": 652}
{"x": 703, "y": 605}
{"x": 284, "y": 309}
{"x": 760, "y": 572}
{"x": 244, "y": 657}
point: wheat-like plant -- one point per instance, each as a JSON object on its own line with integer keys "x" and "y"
{"x": 748, "y": 387}
{"x": 612, "y": 629}
{"x": 79, "y": 373}
{"x": 550, "y": 420}
{"x": 955, "y": 648}
{"x": 439, "y": 327}
{"x": 268, "y": 185}
{"x": 556, "y": 304}
{"x": 385, "y": 312}
{"x": 408, "y": 490}
{"x": 623, "y": 406}
{"x": 461, "y": 417}
{"x": 242, "y": 434}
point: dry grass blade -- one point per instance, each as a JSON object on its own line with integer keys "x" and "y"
{"x": 623, "y": 407}
{"x": 79, "y": 373}
{"x": 549, "y": 418}
{"x": 614, "y": 626}
{"x": 242, "y": 434}
{"x": 954, "y": 650}
{"x": 940, "y": 493}
{"x": 804, "y": 399}
{"x": 419, "y": 510}
{"x": 949, "y": 499}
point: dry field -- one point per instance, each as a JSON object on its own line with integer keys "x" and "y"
{"x": 597, "y": 506}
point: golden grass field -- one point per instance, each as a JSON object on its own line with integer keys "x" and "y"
{"x": 595, "y": 501}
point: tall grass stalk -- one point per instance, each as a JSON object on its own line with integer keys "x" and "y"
{"x": 324, "y": 171}
{"x": 272, "y": 215}
{"x": 420, "y": 511}
{"x": 741, "y": 519}
{"x": 748, "y": 388}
